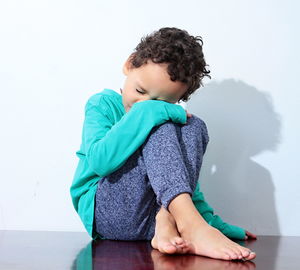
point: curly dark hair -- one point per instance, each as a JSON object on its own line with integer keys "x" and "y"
{"x": 181, "y": 51}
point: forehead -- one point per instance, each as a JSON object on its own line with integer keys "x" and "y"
{"x": 155, "y": 80}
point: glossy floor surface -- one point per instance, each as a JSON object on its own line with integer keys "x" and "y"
{"x": 75, "y": 250}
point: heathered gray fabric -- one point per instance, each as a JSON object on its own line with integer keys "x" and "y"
{"x": 166, "y": 165}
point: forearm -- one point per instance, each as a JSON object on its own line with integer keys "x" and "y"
{"x": 108, "y": 150}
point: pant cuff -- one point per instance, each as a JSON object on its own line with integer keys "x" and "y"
{"x": 169, "y": 195}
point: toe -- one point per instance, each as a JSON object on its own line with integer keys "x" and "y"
{"x": 183, "y": 245}
{"x": 154, "y": 242}
{"x": 183, "y": 249}
{"x": 240, "y": 256}
{"x": 168, "y": 248}
{"x": 238, "y": 253}
{"x": 251, "y": 256}
{"x": 233, "y": 254}
{"x": 245, "y": 252}
{"x": 178, "y": 241}
{"x": 226, "y": 257}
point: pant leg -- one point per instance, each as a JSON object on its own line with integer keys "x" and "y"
{"x": 125, "y": 204}
{"x": 128, "y": 200}
{"x": 173, "y": 157}
{"x": 193, "y": 141}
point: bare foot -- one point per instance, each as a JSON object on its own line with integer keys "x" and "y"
{"x": 167, "y": 238}
{"x": 207, "y": 241}
{"x": 164, "y": 262}
{"x": 204, "y": 239}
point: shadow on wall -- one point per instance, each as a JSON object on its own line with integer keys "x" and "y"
{"x": 241, "y": 123}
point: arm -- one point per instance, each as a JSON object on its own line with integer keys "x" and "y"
{"x": 103, "y": 142}
{"x": 207, "y": 213}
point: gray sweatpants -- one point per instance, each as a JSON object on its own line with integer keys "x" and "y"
{"x": 167, "y": 164}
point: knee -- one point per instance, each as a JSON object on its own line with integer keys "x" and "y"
{"x": 197, "y": 127}
{"x": 164, "y": 129}
{"x": 164, "y": 134}
{"x": 196, "y": 122}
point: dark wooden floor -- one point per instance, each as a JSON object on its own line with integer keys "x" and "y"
{"x": 73, "y": 250}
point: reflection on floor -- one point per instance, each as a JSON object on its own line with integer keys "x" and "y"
{"x": 75, "y": 250}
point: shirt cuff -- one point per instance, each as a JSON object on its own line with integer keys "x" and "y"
{"x": 229, "y": 230}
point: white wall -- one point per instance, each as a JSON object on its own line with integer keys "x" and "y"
{"x": 55, "y": 54}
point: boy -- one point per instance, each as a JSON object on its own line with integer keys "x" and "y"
{"x": 140, "y": 157}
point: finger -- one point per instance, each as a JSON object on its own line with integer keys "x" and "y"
{"x": 188, "y": 114}
{"x": 251, "y": 235}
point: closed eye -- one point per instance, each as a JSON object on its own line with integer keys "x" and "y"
{"x": 139, "y": 91}
{"x": 143, "y": 93}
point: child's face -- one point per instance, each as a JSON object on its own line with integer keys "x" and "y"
{"x": 150, "y": 81}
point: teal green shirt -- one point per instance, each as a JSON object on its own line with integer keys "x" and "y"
{"x": 109, "y": 137}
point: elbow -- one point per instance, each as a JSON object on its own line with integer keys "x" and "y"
{"x": 93, "y": 160}
{"x": 97, "y": 168}
{"x": 95, "y": 165}
{"x": 102, "y": 163}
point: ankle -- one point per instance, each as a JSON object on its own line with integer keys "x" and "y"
{"x": 191, "y": 224}
{"x": 165, "y": 219}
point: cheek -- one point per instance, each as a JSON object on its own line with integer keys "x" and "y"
{"x": 131, "y": 97}
{"x": 127, "y": 99}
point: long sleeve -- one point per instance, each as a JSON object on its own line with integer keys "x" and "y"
{"x": 108, "y": 146}
{"x": 109, "y": 138}
{"x": 207, "y": 213}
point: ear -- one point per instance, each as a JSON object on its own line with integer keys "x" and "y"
{"x": 127, "y": 65}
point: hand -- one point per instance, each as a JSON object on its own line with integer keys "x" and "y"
{"x": 250, "y": 235}
{"x": 188, "y": 114}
